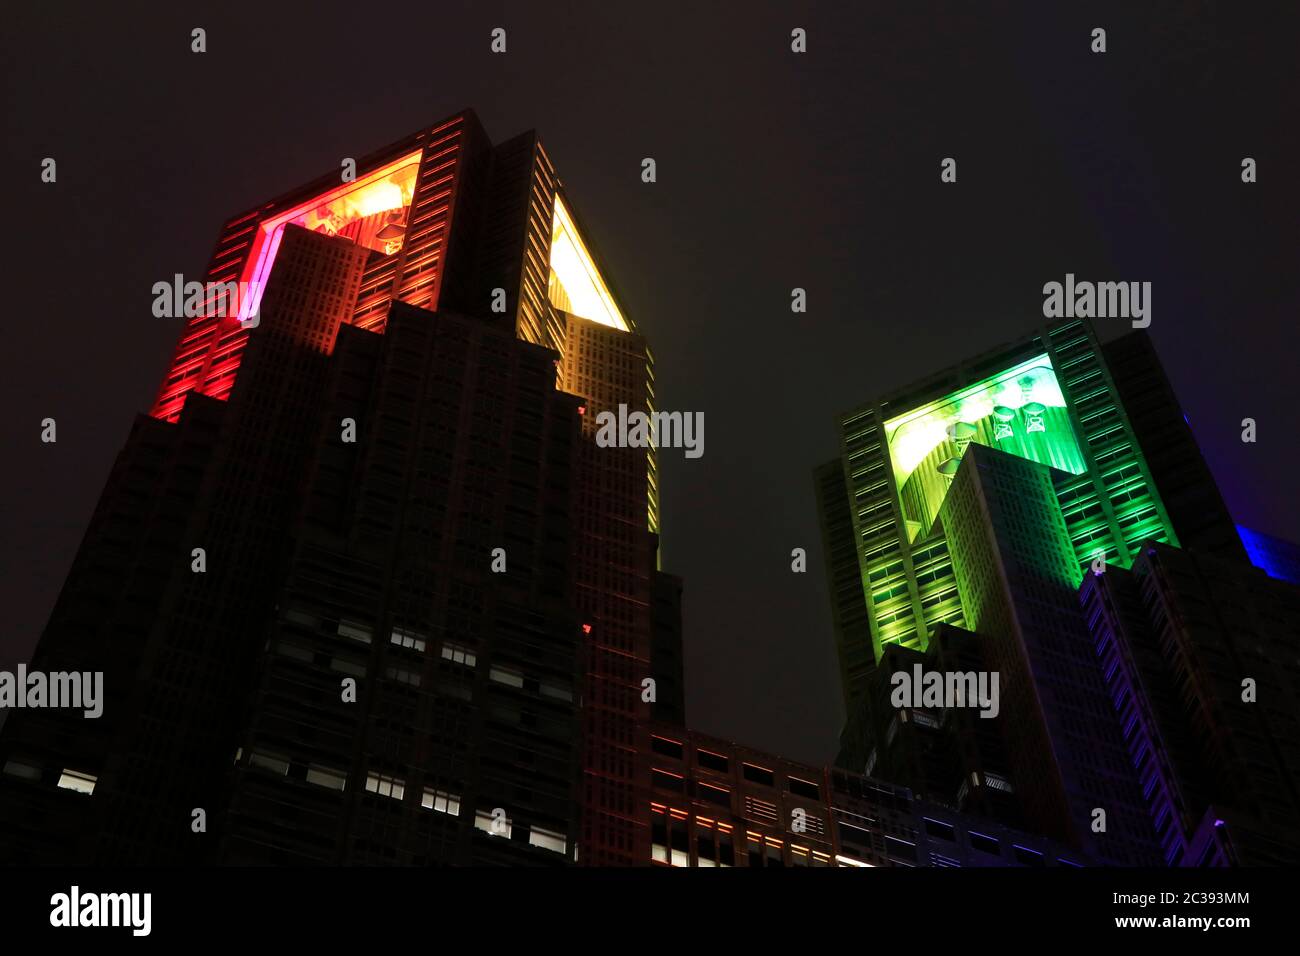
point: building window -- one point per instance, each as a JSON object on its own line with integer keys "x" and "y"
{"x": 679, "y": 840}
{"x": 547, "y": 839}
{"x": 441, "y": 801}
{"x": 668, "y": 781}
{"x": 712, "y": 761}
{"x": 759, "y": 775}
{"x": 774, "y": 857}
{"x": 294, "y": 652}
{"x": 900, "y": 849}
{"x": 344, "y": 666}
{"x": 939, "y": 829}
{"x": 659, "y": 836}
{"x": 556, "y": 691}
{"x": 354, "y": 630}
{"x": 408, "y": 639}
{"x": 298, "y": 616}
{"x": 403, "y": 675}
{"x": 1028, "y": 857}
{"x": 498, "y": 825}
{"x": 985, "y": 844}
{"x": 459, "y": 654}
{"x": 802, "y": 788}
{"x": 715, "y": 795}
{"x": 23, "y": 771}
{"x": 506, "y": 675}
{"x": 326, "y": 777}
{"x": 851, "y": 834}
{"x": 80, "y": 782}
{"x": 386, "y": 786}
{"x": 669, "y": 748}
{"x": 266, "y": 761}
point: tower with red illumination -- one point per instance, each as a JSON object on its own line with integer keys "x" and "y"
{"x": 362, "y": 586}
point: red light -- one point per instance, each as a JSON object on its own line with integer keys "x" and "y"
{"x": 586, "y": 629}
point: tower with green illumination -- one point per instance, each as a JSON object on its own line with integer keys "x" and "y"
{"x": 1047, "y": 398}
{"x": 979, "y": 498}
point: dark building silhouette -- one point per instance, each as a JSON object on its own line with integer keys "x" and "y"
{"x": 953, "y": 754}
{"x": 362, "y": 586}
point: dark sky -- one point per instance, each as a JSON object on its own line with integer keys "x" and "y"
{"x": 775, "y": 170}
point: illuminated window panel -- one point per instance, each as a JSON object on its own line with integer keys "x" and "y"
{"x": 575, "y": 283}
{"x": 77, "y": 781}
{"x": 370, "y": 211}
{"x": 1020, "y": 411}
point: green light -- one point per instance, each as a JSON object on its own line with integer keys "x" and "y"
{"x": 1020, "y": 411}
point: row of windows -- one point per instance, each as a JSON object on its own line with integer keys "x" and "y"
{"x": 492, "y": 822}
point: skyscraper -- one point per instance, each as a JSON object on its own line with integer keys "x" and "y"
{"x": 361, "y": 585}
{"x": 989, "y": 501}
{"x": 919, "y": 532}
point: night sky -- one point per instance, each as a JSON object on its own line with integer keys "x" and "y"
{"x": 775, "y": 171}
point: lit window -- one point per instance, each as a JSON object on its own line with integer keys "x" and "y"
{"x": 495, "y": 825}
{"x": 547, "y": 839}
{"x": 442, "y": 801}
{"x": 459, "y": 654}
{"x": 80, "y": 782}
{"x": 408, "y": 639}
{"x": 386, "y": 786}
{"x": 659, "y": 836}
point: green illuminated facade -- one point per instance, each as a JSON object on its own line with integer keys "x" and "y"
{"x": 1048, "y": 398}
